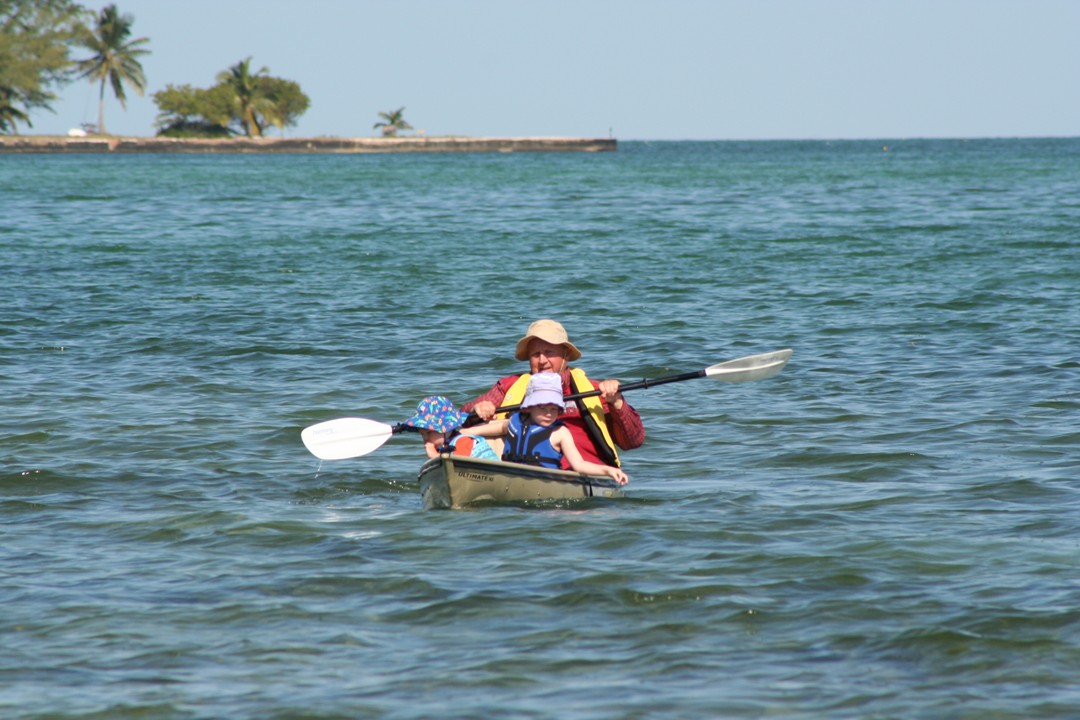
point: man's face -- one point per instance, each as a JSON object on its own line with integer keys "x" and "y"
{"x": 545, "y": 357}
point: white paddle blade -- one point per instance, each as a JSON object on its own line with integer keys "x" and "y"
{"x": 752, "y": 367}
{"x": 345, "y": 438}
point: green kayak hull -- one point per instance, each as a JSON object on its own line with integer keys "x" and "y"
{"x": 454, "y": 481}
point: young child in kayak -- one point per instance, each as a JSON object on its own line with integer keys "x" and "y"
{"x": 439, "y": 425}
{"x": 534, "y": 435}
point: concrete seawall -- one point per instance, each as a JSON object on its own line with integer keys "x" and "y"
{"x": 119, "y": 145}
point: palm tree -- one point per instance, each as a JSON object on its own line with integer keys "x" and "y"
{"x": 114, "y": 57}
{"x": 9, "y": 112}
{"x": 392, "y": 122}
{"x": 250, "y": 96}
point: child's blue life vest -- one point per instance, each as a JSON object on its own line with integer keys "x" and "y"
{"x": 529, "y": 443}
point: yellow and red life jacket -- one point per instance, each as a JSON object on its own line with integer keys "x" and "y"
{"x": 591, "y": 410}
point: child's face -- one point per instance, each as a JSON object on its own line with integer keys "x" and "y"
{"x": 544, "y": 415}
{"x": 433, "y": 437}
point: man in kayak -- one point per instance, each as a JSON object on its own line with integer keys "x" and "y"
{"x": 600, "y": 425}
{"x": 534, "y": 435}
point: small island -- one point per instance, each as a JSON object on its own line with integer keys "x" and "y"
{"x": 230, "y": 116}
{"x": 242, "y": 144}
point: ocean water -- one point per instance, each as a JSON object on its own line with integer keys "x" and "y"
{"x": 889, "y": 528}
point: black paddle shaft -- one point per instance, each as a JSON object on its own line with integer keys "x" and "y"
{"x": 638, "y": 385}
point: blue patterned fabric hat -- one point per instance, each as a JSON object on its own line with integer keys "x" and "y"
{"x": 436, "y": 413}
{"x": 543, "y": 389}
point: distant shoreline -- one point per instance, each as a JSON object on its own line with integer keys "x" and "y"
{"x": 340, "y": 145}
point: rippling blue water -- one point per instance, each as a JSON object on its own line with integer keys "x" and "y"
{"x": 888, "y": 528}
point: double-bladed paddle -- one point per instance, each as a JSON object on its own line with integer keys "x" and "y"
{"x": 354, "y": 437}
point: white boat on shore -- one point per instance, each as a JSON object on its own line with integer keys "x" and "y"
{"x": 454, "y": 482}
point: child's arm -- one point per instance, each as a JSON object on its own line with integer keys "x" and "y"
{"x": 490, "y": 429}
{"x": 563, "y": 441}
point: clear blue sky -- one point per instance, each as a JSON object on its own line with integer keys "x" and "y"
{"x": 637, "y": 69}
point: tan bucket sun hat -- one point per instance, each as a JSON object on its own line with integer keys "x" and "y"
{"x": 548, "y": 331}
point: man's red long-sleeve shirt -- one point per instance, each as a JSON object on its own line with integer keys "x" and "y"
{"x": 624, "y": 424}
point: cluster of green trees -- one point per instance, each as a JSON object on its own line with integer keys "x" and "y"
{"x": 38, "y": 37}
{"x": 250, "y": 101}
